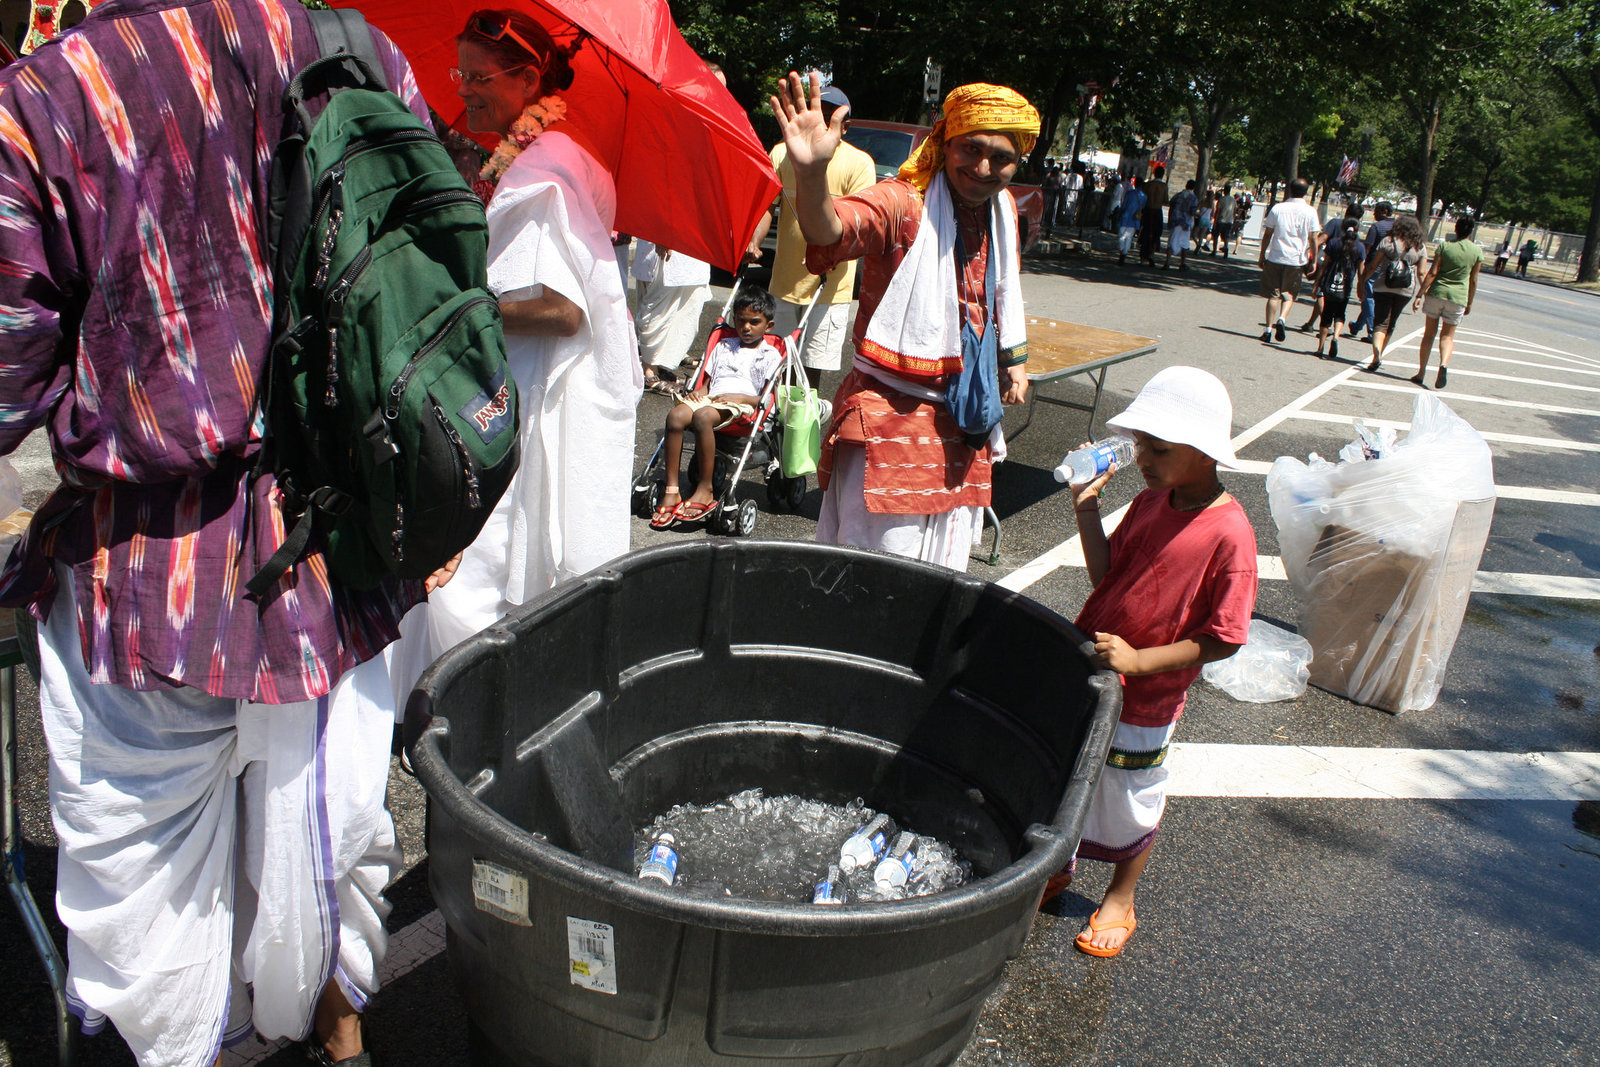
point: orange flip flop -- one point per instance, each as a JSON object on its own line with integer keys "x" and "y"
{"x": 1129, "y": 924}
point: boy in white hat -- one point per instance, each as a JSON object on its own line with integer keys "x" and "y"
{"x": 1174, "y": 586}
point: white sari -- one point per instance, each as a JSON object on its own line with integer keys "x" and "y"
{"x": 566, "y": 512}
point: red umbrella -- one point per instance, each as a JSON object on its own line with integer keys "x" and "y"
{"x": 691, "y": 175}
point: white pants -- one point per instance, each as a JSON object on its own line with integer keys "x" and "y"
{"x": 668, "y": 319}
{"x": 1125, "y": 239}
{"x": 827, "y": 332}
{"x": 946, "y": 538}
{"x": 211, "y": 849}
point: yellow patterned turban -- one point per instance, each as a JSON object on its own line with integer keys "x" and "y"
{"x": 968, "y": 108}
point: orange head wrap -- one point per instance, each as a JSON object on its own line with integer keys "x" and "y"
{"x": 979, "y": 106}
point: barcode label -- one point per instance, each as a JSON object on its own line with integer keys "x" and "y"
{"x": 592, "y": 947}
{"x": 500, "y": 892}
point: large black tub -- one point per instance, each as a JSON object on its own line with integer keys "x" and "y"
{"x": 685, "y": 674}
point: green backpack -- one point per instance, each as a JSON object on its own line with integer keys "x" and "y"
{"x": 391, "y": 418}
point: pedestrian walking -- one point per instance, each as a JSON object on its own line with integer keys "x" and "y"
{"x": 1151, "y": 224}
{"x": 1130, "y": 218}
{"x": 1185, "y": 206}
{"x": 1382, "y": 223}
{"x": 1290, "y": 240}
{"x": 1393, "y": 267}
{"x": 1525, "y": 257}
{"x": 1337, "y": 277}
{"x": 1445, "y": 296}
{"x": 1226, "y": 225}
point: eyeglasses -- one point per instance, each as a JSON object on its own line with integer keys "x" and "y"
{"x": 486, "y": 27}
{"x": 461, "y": 77}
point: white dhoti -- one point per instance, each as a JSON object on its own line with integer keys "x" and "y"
{"x": 1179, "y": 240}
{"x": 1131, "y": 795}
{"x": 945, "y": 538}
{"x": 220, "y": 861}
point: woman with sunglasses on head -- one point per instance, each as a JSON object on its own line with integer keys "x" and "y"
{"x": 568, "y": 337}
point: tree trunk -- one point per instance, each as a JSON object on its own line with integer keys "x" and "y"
{"x": 1291, "y": 156}
{"x": 1589, "y": 258}
{"x": 1429, "y": 154}
{"x": 1218, "y": 107}
{"x": 1049, "y": 121}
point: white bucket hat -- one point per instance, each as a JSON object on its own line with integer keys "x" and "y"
{"x": 1187, "y": 406}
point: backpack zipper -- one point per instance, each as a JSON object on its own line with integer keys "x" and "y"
{"x": 331, "y": 201}
{"x": 397, "y": 389}
{"x": 334, "y": 317}
{"x": 473, "y": 500}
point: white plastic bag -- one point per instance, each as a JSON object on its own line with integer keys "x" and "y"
{"x": 1273, "y": 665}
{"x": 1381, "y": 553}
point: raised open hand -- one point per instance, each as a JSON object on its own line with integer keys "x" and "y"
{"x": 810, "y": 140}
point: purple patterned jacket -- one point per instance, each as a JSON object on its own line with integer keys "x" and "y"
{"x": 135, "y": 313}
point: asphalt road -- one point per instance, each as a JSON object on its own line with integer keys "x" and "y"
{"x": 1332, "y": 884}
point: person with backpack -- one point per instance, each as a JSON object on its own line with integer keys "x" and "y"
{"x": 1394, "y": 266}
{"x": 1342, "y": 259}
{"x": 218, "y": 758}
{"x": 569, "y": 341}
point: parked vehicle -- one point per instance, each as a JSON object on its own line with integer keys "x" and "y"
{"x": 891, "y": 144}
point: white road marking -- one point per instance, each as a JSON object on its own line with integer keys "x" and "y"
{"x": 1487, "y": 435}
{"x": 1471, "y": 398}
{"x": 1327, "y": 773}
{"x": 1467, "y": 351}
{"x": 1462, "y": 372}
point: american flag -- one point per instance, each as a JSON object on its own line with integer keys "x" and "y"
{"x": 1348, "y": 170}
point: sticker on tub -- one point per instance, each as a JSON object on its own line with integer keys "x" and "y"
{"x": 500, "y": 892}
{"x": 593, "y": 949}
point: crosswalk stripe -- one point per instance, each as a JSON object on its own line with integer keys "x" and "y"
{"x": 1487, "y": 435}
{"x": 1328, "y": 773}
{"x": 1472, "y": 398}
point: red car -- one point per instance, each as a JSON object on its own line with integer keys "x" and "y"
{"x": 891, "y": 144}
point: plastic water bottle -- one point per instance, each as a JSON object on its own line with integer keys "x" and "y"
{"x": 865, "y": 845}
{"x": 831, "y": 889}
{"x": 1091, "y": 461}
{"x": 662, "y": 862}
{"x": 895, "y": 868}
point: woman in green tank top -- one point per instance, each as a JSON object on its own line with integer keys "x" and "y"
{"x": 1446, "y": 295}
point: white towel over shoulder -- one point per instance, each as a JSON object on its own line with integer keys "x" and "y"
{"x": 919, "y": 316}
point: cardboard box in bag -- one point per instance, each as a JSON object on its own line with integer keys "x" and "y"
{"x": 1382, "y": 622}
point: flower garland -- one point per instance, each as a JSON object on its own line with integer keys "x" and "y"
{"x": 534, "y": 120}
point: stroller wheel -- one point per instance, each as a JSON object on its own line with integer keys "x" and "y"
{"x": 797, "y": 492}
{"x": 646, "y": 496}
{"x": 744, "y": 520}
{"x": 725, "y": 520}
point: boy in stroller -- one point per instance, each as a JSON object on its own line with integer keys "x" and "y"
{"x": 737, "y": 370}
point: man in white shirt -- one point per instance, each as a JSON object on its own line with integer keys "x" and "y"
{"x": 1289, "y": 243}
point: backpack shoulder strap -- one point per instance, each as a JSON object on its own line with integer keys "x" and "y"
{"x": 345, "y": 30}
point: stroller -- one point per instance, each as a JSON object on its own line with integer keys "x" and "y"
{"x": 755, "y": 438}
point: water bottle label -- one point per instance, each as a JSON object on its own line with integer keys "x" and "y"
{"x": 592, "y": 952}
{"x": 661, "y": 864}
{"x": 827, "y": 893}
{"x": 500, "y": 892}
{"x": 878, "y": 844}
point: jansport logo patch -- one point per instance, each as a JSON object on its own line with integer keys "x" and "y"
{"x": 490, "y": 412}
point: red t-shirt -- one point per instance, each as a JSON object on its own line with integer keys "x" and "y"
{"x": 1174, "y": 575}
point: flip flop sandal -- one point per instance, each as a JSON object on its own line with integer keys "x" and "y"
{"x": 665, "y": 517}
{"x": 688, "y": 512}
{"x": 1130, "y": 924}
